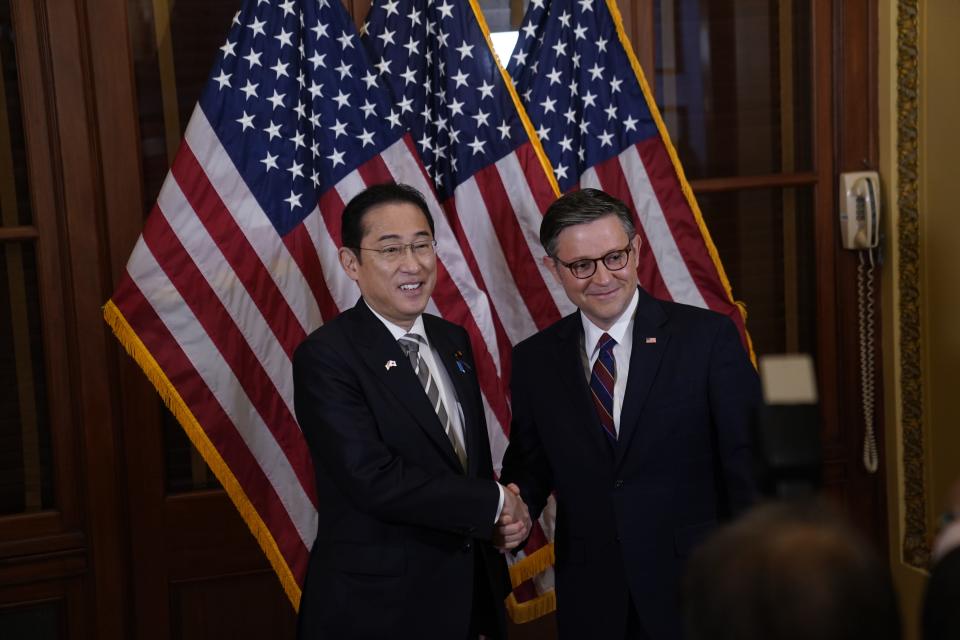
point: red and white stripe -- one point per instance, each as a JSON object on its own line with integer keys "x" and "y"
{"x": 251, "y": 410}
{"x": 527, "y": 187}
{"x": 248, "y": 218}
{"x": 500, "y": 219}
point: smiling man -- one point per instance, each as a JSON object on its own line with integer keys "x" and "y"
{"x": 389, "y": 403}
{"x": 637, "y": 412}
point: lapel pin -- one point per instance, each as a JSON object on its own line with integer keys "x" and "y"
{"x": 651, "y": 341}
{"x": 461, "y": 365}
{"x": 390, "y": 364}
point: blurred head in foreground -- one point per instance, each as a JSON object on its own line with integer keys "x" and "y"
{"x": 789, "y": 571}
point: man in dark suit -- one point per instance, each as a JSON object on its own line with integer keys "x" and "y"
{"x": 637, "y": 412}
{"x": 388, "y": 400}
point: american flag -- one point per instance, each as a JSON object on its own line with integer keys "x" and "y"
{"x": 237, "y": 262}
{"x": 476, "y": 146}
{"x": 586, "y": 94}
{"x": 494, "y": 184}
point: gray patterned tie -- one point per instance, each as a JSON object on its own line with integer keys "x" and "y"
{"x": 410, "y": 344}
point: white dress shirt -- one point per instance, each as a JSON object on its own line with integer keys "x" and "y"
{"x": 622, "y": 332}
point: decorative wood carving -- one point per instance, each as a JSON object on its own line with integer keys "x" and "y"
{"x": 916, "y": 550}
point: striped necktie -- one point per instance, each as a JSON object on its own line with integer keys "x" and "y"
{"x": 410, "y": 344}
{"x": 601, "y": 384}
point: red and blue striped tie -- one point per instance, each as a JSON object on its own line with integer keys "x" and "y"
{"x": 601, "y": 384}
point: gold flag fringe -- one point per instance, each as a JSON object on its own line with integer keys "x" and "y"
{"x": 171, "y": 397}
{"x": 521, "y": 612}
{"x": 536, "y": 562}
{"x": 523, "y": 570}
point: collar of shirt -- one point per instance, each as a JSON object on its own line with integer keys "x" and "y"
{"x": 398, "y": 332}
{"x": 621, "y": 331}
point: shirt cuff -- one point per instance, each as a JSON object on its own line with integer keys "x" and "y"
{"x": 500, "y": 503}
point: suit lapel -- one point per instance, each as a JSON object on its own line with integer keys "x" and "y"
{"x": 650, "y": 339}
{"x": 378, "y": 350}
{"x": 569, "y": 354}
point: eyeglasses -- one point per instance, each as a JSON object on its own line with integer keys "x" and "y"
{"x": 586, "y": 267}
{"x": 393, "y": 252}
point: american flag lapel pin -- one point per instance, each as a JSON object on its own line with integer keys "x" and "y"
{"x": 651, "y": 341}
{"x": 390, "y": 364}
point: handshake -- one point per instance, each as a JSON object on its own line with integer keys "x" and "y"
{"x": 514, "y": 524}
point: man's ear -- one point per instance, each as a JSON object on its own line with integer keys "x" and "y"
{"x": 350, "y": 262}
{"x": 551, "y": 265}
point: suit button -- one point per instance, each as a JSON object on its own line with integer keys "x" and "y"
{"x": 467, "y": 546}
{"x": 618, "y": 484}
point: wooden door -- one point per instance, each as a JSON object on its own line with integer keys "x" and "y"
{"x": 767, "y": 101}
{"x": 63, "y": 550}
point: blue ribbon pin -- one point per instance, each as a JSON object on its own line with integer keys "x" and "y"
{"x": 461, "y": 364}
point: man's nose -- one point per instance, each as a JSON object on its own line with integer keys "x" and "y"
{"x": 602, "y": 275}
{"x": 409, "y": 261}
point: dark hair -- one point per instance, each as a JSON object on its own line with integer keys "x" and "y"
{"x": 579, "y": 207}
{"x": 351, "y": 222}
{"x": 789, "y": 571}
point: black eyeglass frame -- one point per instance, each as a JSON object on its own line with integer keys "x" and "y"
{"x": 570, "y": 265}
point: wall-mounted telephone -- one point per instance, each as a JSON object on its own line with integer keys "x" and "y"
{"x": 860, "y": 209}
{"x": 860, "y": 231}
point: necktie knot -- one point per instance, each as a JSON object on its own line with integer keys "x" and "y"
{"x": 410, "y": 344}
{"x": 606, "y": 343}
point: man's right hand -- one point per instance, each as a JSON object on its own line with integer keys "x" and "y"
{"x": 514, "y": 524}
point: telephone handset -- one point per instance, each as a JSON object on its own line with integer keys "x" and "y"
{"x": 860, "y": 231}
{"x": 860, "y": 209}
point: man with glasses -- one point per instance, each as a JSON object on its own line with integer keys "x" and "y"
{"x": 388, "y": 400}
{"x": 637, "y": 412}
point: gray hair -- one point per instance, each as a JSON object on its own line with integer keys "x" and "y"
{"x": 580, "y": 207}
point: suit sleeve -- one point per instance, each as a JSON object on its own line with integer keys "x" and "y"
{"x": 525, "y": 462}
{"x": 734, "y": 397}
{"x": 343, "y": 438}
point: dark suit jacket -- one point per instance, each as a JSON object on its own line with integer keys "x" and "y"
{"x": 628, "y": 515}
{"x": 403, "y": 533}
{"x": 941, "y": 614}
